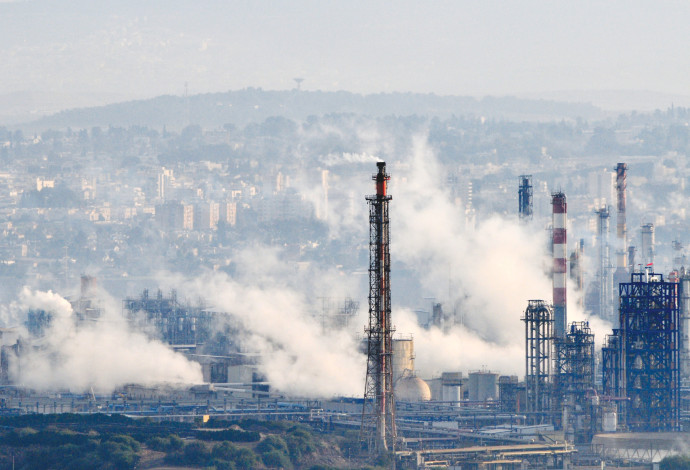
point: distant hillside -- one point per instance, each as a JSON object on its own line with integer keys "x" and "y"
{"x": 255, "y": 105}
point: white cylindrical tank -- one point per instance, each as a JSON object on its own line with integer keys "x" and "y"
{"x": 609, "y": 421}
{"x": 403, "y": 357}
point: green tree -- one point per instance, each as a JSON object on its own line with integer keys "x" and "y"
{"x": 676, "y": 462}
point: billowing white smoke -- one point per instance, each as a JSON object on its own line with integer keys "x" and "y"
{"x": 459, "y": 349}
{"x": 277, "y": 305}
{"x": 101, "y": 355}
{"x": 490, "y": 271}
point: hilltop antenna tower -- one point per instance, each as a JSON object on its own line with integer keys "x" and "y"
{"x": 378, "y": 409}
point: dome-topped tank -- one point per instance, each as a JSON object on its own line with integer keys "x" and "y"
{"x": 411, "y": 388}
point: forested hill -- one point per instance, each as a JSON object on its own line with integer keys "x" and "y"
{"x": 255, "y": 105}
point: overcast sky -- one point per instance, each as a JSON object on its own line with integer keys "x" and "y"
{"x": 145, "y": 48}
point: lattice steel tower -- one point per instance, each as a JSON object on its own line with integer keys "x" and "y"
{"x": 642, "y": 361}
{"x": 538, "y": 357}
{"x": 525, "y": 192}
{"x": 378, "y": 411}
{"x": 574, "y": 381}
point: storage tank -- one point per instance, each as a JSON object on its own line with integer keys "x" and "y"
{"x": 411, "y": 388}
{"x": 403, "y": 357}
{"x": 483, "y": 386}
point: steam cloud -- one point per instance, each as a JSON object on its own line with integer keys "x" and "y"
{"x": 101, "y": 355}
{"x": 276, "y": 306}
{"x": 489, "y": 272}
{"x": 485, "y": 274}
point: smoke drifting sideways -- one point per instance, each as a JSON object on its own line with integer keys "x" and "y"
{"x": 486, "y": 274}
{"x": 100, "y": 355}
{"x": 276, "y": 304}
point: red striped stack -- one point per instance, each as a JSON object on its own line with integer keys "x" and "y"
{"x": 559, "y": 263}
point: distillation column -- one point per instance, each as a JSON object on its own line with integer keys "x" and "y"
{"x": 378, "y": 411}
{"x": 604, "y": 271}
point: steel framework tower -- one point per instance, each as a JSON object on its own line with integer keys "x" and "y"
{"x": 685, "y": 326}
{"x": 644, "y": 353}
{"x": 574, "y": 380}
{"x": 538, "y": 356}
{"x": 378, "y": 411}
{"x": 525, "y": 193}
{"x": 560, "y": 263}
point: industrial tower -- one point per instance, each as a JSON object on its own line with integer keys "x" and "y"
{"x": 560, "y": 266}
{"x": 604, "y": 273}
{"x": 525, "y": 192}
{"x": 621, "y": 274}
{"x": 538, "y": 357}
{"x": 574, "y": 382}
{"x": 378, "y": 410}
{"x": 641, "y": 361}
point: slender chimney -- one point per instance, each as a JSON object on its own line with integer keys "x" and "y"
{"x": 647, "y": 238}
{"x": 559, "y": 263}
{"x": 621, "y": 228}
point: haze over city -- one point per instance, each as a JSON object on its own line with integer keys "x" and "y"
{"x": 344, "y": 234}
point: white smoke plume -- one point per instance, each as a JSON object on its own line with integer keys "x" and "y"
{"x": 277, "y": 305}
{"x": 102, "y": 354}
{"x": 459, "y": 349}
{"x": 487, "y": 273}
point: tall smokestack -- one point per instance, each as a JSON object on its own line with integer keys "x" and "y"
{"x": 559, "y": 263}
{"x": 621, "y": 229}
{"x": 378, "y": 410}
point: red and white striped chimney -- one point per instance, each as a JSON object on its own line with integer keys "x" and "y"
{"x": 560, "y": 269}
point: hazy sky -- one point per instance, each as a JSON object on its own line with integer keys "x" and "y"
{"x": 145, "y": 48}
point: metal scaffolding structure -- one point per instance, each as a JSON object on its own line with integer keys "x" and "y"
{"x": 574, "y": 382}
{"x": 525, "y": 193}
{"x": 508, "y": 389}
{"x": 642, "y": 361}
{"x": 538, "y": 356}
{"x": 175, "y": 323}
{"x": 378, "y": 410}
{"x": 611, "y": 365}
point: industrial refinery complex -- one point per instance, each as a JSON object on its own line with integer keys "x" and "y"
{"x": 579, "y": 404}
